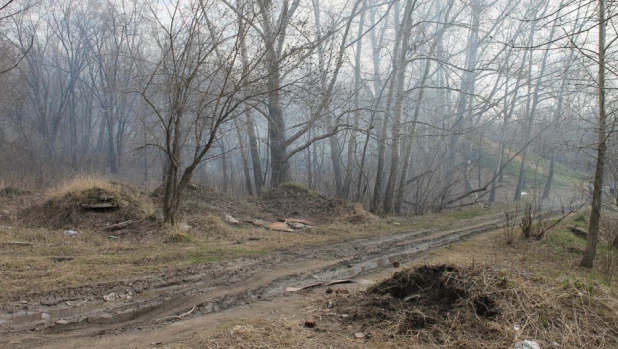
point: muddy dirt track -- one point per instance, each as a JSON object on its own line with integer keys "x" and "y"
{"x": 161, "y": 301}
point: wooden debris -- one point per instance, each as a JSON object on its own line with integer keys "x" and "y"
{"x": 178, "y": 317}
{"x": 16, "y": 243}
{"x": 258, "y": 222}
{"x": 279, "y": 226}
{"x": 296, "y": 289}
{"x": 119, "y": 226}
{"x": 99, "y": 206}
{"x": 296, "y": 220}
{"x": 342, "y": 281}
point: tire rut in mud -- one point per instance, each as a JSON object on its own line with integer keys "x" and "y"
{"x": 155, "y": 300}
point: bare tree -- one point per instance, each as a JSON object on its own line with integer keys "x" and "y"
{"x": 201, "y": 90}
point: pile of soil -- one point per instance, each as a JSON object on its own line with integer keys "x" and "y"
{"x": 91, "y": 209}
{"x": 199, "y": 200}
{"x": 483, "y": 307}
{"x": 285, "y": 201}
{"x": 294, "y": 200}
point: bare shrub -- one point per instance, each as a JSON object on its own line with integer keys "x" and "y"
{"x": 510, "y": 228}
{"x": 609, "y": 256}
{"x": 526, "y": 220}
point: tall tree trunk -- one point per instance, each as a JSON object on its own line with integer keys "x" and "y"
{"x": 111, "y": 149}
{"x": 467, "y": 89}
{"x": 226, "y": 175}
{"x": 376, "y": 47}
{"x": 352, "y": 161}
{"x": 377, "y": 192}
{"x": 531, "y": 111}
{"x": 550, "y": 177}
{"x": 253, "y": 143}
{"x": 243, "y": 156}
{"x": 595, "y": 212}
{"x": 335, "y": 156}
{"x": 400, "y": 76}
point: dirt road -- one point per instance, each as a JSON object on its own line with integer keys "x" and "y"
{"x": 171, "y": 306}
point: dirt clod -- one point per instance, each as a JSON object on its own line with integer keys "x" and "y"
{"x": 310, "y": 323}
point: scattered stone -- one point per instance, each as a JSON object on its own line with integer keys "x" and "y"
{"x": 111, "y": 297}
{"x": 527, "y": 344}
{"x": 310, "y": 323}
{"x": 231, "y": 219}
{"x": 62, "y": 322}
{"x": 396, "y": 264}
{"x": 297, "y": 225}
{"x": 329, "y": 290}
{"x": 330, "y": 304}
{"x": 341, "y": 291}
{"x": 70, "y": 232}
{"x": 45, "y": 316}
{"x": 359, "y": 335}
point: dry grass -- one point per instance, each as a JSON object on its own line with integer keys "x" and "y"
{"x": 62, "y": 207}
{"x": 489, "y": 307}
{"x": 536, "y": 289}
{"x": 83, "y": 183}
{"x": 283, "y": 333}
{"x": 210, "y": 227}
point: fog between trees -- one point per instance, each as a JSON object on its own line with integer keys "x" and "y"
{"x": 405, "y": 106}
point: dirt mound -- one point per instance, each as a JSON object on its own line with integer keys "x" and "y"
{"x": 90, "y": 207}
{"x": 294, "y": 200}
{"x": 482, "y": 307}
{"x": 199, "y": 200}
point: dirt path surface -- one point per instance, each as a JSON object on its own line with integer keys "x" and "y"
{"x": 171, "y": 306}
